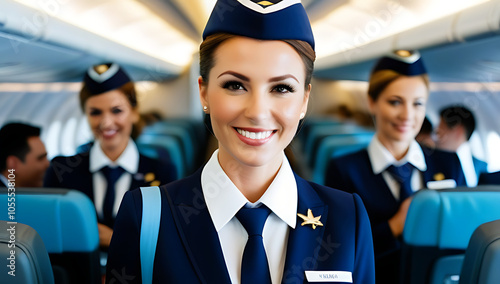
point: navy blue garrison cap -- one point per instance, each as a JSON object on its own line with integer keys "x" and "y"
{"x": 266, "y": 20}
{"x": 404, "y": 62}
{"x": 107, "y": 77}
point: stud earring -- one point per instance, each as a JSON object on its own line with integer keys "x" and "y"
{"x": 205, "y": 108}
{"x": 302, "y": 115}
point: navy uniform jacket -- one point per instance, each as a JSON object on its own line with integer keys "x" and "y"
{"x": 189, "y": 250}
{"x": 73, "y": 173}
{"x": 489, "y": 178}
{"x": 353, "y": 173}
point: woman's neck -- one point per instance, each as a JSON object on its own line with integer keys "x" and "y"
{"x": 114, "y": 153}
{"x": 251, "y": 181}
{"x": 398, "y": 149}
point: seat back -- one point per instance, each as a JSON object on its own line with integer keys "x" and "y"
{"x": 67, "y": 223}
{"x": 319, "y": 132}
{"x": 24, "y": 252}
{"x": 181, "y": 134}
{"x": 482, "y": 258}
{"x": 169, "y": 144}
{"x": 438, "y": 226}
{"x": 335, "y": 146}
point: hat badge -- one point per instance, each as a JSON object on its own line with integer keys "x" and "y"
{"x": 265, "y": 4}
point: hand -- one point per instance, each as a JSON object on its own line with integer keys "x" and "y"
{"x": 105, "y": 234}
{"x": 397, "y": 222}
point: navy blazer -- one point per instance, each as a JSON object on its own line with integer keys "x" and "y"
{"x": 353, "y": 173}
{"x": 489, "y": 178}
{"x": 189, "y": 250}
{"x": 73, "y": 173}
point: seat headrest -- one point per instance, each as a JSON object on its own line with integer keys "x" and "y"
{"x": 447, "y": 219}
{"x": 65, "y": 219}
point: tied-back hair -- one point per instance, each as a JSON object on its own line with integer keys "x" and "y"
{"x": 128, "y": 89}
{"x": 210, "y": 44}
{"x": 379, "y": 80}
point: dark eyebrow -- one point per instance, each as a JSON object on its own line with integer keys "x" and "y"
{"x": 245, "y": 78}
{"x": 235, "y": 74}
{"x": 284, "y": 77}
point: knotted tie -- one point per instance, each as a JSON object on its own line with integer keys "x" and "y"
{"x": 402, "y": 174}
{"x": 112, "y": 175}
{"x": 254, "y": 265}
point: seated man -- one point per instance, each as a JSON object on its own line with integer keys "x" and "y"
{"x": 453, "y": 133}
{"x": 22, "y": 154}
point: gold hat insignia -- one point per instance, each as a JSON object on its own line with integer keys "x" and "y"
{"x": 310, "y": 219}
{"x": 439, "y": 176}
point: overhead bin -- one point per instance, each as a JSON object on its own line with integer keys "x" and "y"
{"x": 478, "y": 21}
{"x": 32, "y": 27}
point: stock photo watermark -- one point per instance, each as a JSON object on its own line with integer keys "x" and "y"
{"x": 11, "y": 224}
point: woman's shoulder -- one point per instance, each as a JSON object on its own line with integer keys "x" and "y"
{"x": 348, "y": 162}
{"x": 73, "y": 160}
{"x": 166, "y": 170}
{"x": 185, "y": 188}
{"x": 434, "y": 153}
{"x": 328, "y": 194}
{"x": 352, "y": 157}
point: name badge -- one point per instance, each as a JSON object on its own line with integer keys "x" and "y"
{"x": 329, "y": 276}
{"x": 442, "y": 184}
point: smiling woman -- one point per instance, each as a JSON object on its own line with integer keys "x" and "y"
{"x": 113, "y": 164}
{"x": 394, "y": 165}
{"x": 236, "y": 219}
{"x": 254, "y": 107}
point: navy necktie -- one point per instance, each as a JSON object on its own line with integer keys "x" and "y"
{"x": 254, "y": 265}
{"x": 402, "y": 174}
{"x": 112, "y": 175}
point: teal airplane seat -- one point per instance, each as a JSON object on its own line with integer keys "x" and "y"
{"x": 437, "y": 230}
{"x": 67, "y": 223}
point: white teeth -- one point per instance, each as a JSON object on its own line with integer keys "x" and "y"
{"x": 109, "y": 132}
{"x": 254, "y": 135}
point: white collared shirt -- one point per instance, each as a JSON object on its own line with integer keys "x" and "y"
{"x": 128, "y": 160}
{"x": 464, "y": 154}
{"x": 381, "y": 159}
{"x": 224, "y": 200}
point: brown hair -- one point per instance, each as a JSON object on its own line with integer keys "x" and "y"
{"x": 127, "y": 89}
{"x": 379, "y": 80}
{"x": 210, "y": 44}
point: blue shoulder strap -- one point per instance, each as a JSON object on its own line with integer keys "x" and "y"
{"x": 151, "y": 212}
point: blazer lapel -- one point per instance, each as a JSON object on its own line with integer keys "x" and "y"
{"x": 199, "y": 235}
{"x": 304, "y": 242}
{"x": 366, "y": 181}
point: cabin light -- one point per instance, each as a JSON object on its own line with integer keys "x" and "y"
{"x": 350, "y": 28}
{"x": 208, "y": 6}
{"x": 126, "y": 22}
